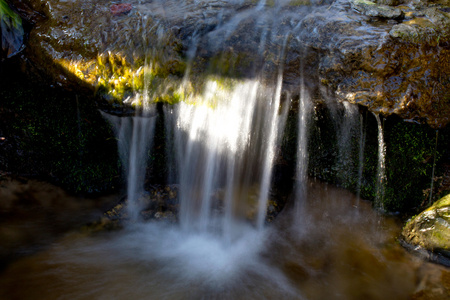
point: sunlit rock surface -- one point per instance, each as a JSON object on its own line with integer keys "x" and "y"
{"x": 393, "y": 63}
{"x": 430, "y": 230}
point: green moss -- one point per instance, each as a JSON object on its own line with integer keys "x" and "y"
{"x": 117, "y": 79}
{"x": 409, "y": 163}
{"x": 9, "y": 17}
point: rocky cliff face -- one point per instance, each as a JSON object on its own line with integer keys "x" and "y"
{"x": 390, "y": 56}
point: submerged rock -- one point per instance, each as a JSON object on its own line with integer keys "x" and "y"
{"x": 159, "y": 203}
{"x": 430, "y": 230}
{"x": 162, "y": 203}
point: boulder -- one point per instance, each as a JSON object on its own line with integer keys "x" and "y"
{"x": 430, "y": 231}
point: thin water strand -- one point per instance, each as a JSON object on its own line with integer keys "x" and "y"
{"x": 273, "y": 130}
{"x": 304, "y": 113}
{"x": 434, "y": 166}
{"x": 381, "y": 169}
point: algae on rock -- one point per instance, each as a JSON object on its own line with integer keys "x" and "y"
{"x": 431, "y": 228}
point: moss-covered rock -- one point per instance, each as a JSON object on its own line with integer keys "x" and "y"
{"x": 430, "y": 229}
{"x": 85, "y": 43}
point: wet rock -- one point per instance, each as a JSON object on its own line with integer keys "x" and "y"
{"x": 367, "y": 66}
{"x": 430, "y": 231}
{"x": 394, "y": 60}
{"x": 161, "y": 203}
{"x": 158, "y": 203}
{"x": 372, "y": 9}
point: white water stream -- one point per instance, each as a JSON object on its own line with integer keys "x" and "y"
{"x": 381, "y": 168}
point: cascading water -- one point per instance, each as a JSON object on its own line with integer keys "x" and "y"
{"x": 220, "y": 143}
{"x": 223, "y": 136}
{"x": 135, "y": 138}
{"x": 222, "y": 139}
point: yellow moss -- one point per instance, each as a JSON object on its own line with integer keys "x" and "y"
{"x": 444, "y": 201}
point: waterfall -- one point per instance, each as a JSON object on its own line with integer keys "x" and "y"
{"x": 270, "y": 142}
{"x": 223, "y": 136}
{"x": 135, "y": 138}
{"x": 223, "y": 151}
{"x": 381, "y": 169}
